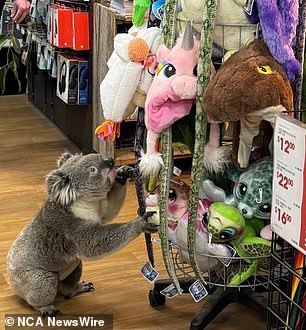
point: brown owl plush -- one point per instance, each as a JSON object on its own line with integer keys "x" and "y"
{"x": 250, "y": 87}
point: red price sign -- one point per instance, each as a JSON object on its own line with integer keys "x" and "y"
{"x": 282, "y": 216}
{"x": 284, "y": 181}
{"x": 285, "y": 145}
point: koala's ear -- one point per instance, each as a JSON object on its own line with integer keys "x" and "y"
{"x": 63, "y": 158}
{"x": 60, "y": 188}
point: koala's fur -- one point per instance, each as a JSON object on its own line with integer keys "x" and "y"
{"x": 85, "y": 192}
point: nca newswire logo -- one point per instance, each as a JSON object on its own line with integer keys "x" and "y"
{"x": 26, "y": 321}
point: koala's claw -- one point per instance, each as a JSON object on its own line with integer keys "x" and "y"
{"x": 87, "y": 287}
{"x": 148, "y": 215}
{"x": 124, "y": 173}
{"x": 150, "y": 228}
{"x": 49, "y": 311}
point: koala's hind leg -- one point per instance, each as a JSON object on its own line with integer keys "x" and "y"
{"x": 71, "y": 285}
{"x": 40, "y": 289}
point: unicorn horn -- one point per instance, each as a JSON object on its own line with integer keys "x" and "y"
{"x": 188, "y": 41}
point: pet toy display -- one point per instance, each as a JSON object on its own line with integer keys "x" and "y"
{"x": 171, "y": 94}
{"x": 226, "y": 224}
{"x": 251, "y": 87}
{"x": 127, "y": 74}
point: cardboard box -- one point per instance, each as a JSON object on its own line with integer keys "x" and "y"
{"x": 67, "y": 79}
{"x": 62, "y": 27}
{"x": 80, "y": 31}
{"x": 83, "y": 82}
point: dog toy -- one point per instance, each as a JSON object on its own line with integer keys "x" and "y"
{"x": 226, "y": 224}
{"x": 171, "y": 94}
{"x": 127, "y": 76}
{"x": 250, "y": 86}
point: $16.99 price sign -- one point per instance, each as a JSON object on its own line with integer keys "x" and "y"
{"x": 288, "y": 218}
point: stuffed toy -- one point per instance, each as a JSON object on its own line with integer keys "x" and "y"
{"x": 227, "y": 225}
{"x": 249, "y": 87}
{"x": 127, "y": 82}
{"x": 178, "y": 222}
{"x": 171, "y": 94}
{"x": 228, "y": 32}
{"x": 278, "y": 20}
{"x": 139, "y": 9}
{"x": 252, "y": 193}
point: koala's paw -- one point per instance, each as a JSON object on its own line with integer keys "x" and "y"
{"x": 49, "y": 311}
{"x": 124, "y": 173}
{"x": 146, "y": 226}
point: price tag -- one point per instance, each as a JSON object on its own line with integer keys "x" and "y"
{"x": 198, "y": 291}
{"x": 149, "y": 273}
{"x": 288, "y": 215}
{"x": 170, "y": 291}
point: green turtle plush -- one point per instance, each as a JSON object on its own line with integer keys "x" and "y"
{"x": 225, "y": 224}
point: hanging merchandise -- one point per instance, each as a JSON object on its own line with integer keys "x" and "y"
{"x": 228, "y": 32}
{"x": 158, "y": 9}
{"x": 251, "y": 87}
{"x": 127, "y": 80}
{"x": 171, "y": 94}
{"x": 62, "y": 27}
{"x": 140, "y": 7}
{"x": 278, "y": 20}
{"x": 80, "y": 26}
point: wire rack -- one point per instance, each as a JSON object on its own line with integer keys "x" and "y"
{"x": 285, "y": 309}
{"x": 219, "y": 269}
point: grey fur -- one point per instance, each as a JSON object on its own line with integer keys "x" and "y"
{"x": 46, "y": 256}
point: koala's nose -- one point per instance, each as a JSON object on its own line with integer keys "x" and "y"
{"x": 109, "y": 162}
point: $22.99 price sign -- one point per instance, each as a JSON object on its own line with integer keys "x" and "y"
{"x": 288, "y": 218}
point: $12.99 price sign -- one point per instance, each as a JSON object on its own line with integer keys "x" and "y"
{"x": 288, "y": 218}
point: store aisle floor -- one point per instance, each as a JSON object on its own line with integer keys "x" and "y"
{"x": 29, "y": 147}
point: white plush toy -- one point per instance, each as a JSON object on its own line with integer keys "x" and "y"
{"x": 127, "y": 75}
{"x": 230, "y": 14}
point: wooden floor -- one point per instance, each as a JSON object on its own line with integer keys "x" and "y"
{"x": 29, "y": 147}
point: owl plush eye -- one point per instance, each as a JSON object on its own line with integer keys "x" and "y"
{"x": 264, "y": 69}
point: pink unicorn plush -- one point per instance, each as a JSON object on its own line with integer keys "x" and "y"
{"x": 171, "y": 94}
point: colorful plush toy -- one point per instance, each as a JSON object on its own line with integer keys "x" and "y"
{"x": 127, "y": 80}
{"x": 177, "y": 226}
{"x": 251, "y": 87}
{"x": 226, "y": 224}
{"x": 252, "y": 193}
{"x": 171, "y": 94}
{"x": 278, "y": 20}
{"x": 139, "y": 9}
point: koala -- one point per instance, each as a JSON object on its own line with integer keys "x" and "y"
{"x": 85, "y": 192}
